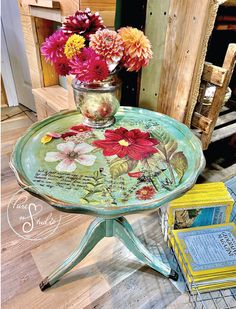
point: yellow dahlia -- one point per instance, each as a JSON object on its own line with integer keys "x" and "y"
{"x": 137, "y": 48}
{"x": 73, "y": 45}
{"x": 108, "y": 44}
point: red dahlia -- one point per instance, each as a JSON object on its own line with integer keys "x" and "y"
{"x": 62, "y": 67}
{"x": 83, "y": 23}
{"x": 145, "y": 193}
{"x": 98, "y": 70}
{"x": 134, "y": 144}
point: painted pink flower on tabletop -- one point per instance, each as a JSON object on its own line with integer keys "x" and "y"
{"x": 134, "y": 144}
{"x": 69, "y": 154}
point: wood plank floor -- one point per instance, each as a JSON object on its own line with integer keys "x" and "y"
{"x": 110, "y": 277}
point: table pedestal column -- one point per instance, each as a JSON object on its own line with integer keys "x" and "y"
{"x": 98, "y": 229}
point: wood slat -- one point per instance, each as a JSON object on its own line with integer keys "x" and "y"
{"x": 46, "y": 13}
{"x": 201, "y": 122}
{"x": 185, "y": 34}
{"x": 4, "y": 102}
{"x": 201, "y": 45}
{"x": 23, "y": 8}
{"x": 32, "y": 50}
{"x": 44, "y": 28}
{"x": 223, "y": 132}
{"x": 106, "y": 8}
{"x": 55, "y": 96}
{"x": 50, "y": 100}
{"x": 231, "y": 27}
{"x": 228, "y": 2}
{"x": 44, "y": 3}
{"x": 214, "y": 74}
{"x": 224, "y": 119}
{"x": 157, "y": 17}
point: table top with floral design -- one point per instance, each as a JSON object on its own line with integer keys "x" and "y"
{"x": 139, "y": 163}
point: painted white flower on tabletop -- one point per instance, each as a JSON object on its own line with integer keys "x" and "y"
{"x": 69, "y": 154}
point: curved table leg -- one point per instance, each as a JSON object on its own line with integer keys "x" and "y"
{"x": 99, "y": 229}
{"x": 95, "y": 232}
{"x": 123, "y": 230}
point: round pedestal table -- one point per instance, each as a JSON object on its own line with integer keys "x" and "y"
{"x": 144, "y": 160}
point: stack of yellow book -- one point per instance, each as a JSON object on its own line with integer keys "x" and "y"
{"x": 204, "y": 204}
{"x": 207, "y": 256}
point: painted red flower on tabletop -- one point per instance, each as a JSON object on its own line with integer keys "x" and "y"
{"x": 134, "y": 143}
{"x": 80, "y": 128}
{"x": 145, "y": 193}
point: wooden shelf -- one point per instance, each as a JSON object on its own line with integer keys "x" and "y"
{"x": 50, "y": 100}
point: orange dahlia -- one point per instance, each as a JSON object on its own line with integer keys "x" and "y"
{"x": 137, "y": 48}
{"x": 108, "y": 44}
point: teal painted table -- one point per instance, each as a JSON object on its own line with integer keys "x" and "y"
{"x": 142, "y": 161}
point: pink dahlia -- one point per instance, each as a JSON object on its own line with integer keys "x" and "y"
{"x": 88, "y": 66}
{"x": 78, "y": 68}
{"x": 137, "y": 48}
{"x": 83, "y": 23}
{"x": 134, "y": 144}
{"x": 145, "y": 193}
{"x": 53, "y": 48}
{"x": 86, "y": 54}
{"x": 108, "y": 44}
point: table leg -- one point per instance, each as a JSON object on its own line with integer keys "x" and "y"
{"x": 99, "y": 229}
{"x": 123, "y": 230}
{"x": 95, "y": 232}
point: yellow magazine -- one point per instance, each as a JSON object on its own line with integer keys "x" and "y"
{"x": 213, "y": 287}
{"x": 198, "y": 208}
{"x": 205, "y": 249}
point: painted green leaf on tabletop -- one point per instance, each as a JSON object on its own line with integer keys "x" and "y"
{"x": 122, "y": 166}
{"x": 167, "y": 145}
{"x": 179, "y": 163}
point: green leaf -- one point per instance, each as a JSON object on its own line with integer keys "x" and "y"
{"x": 89, "y": 187}
{"x": 154, "y": 162}
{"x": 167, "y": 145}
{"x": 179, "y": 163}
{"x": 122, "y": 166}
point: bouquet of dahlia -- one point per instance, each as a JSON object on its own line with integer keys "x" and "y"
{"x": 85, "y": 48}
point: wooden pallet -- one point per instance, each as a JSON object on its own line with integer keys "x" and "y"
{"x": 225, "y": 125}
{"x": 220, "y": 77}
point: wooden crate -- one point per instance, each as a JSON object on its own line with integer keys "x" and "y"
{"x": 37, "y": 19}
